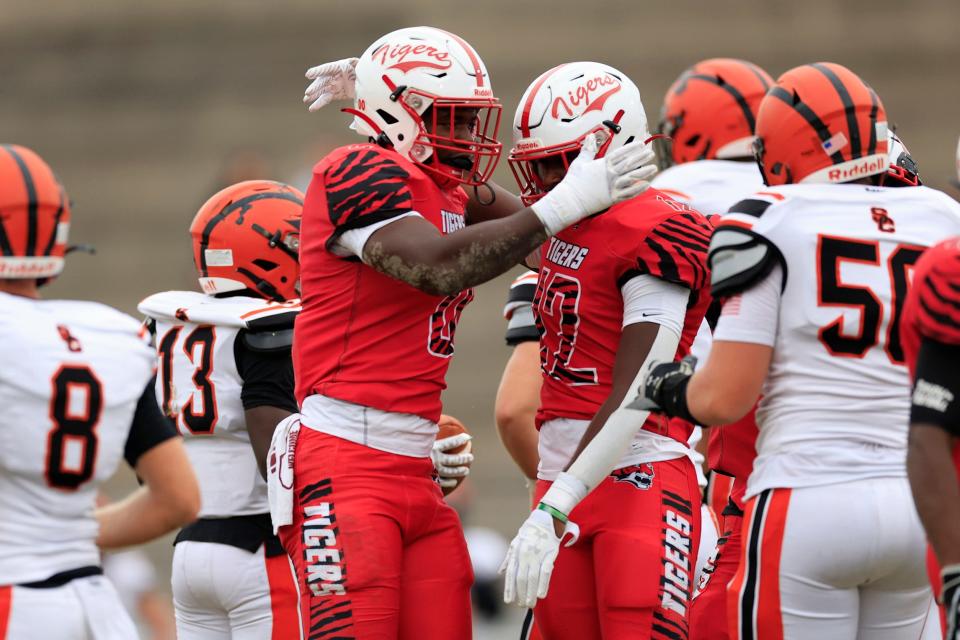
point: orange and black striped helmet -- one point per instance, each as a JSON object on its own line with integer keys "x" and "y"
{"x": 820, "y": 123}
{"x": 34, "y": 216}
{"x": 247, "y": 237}
{"x": 709, "y": 111}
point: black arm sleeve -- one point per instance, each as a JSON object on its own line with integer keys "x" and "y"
{"x": 265, "y": 364}
{"x": 936, "y": 392}
{"x": 150, "y": 427}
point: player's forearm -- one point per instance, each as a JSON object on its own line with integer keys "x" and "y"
{"x": 936, "y": 491}
{"x": 139, "y": 518}
{"x": 519, "y": 438}
{"x": 727, "y": 386}
{"x": 491, "y": 202}
{"x": 446, "y": 265}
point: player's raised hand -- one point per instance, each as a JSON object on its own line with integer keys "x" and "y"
{"x": 330, "y": 81}
{"x": 529, "y": 562}
{"x": 593, "y": 184}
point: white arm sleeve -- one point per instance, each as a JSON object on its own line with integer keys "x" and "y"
{"x": 598, "y": 459}
{"x": 753, "y": 316}
{"x": 650, "y": 299}
{"x": 350, "y": 243}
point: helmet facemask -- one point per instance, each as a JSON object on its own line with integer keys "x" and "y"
{"x": 439, "y": 146}
{"x": 528, "y": 165}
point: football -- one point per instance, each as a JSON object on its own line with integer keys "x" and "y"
{"x": 450, "y": 426}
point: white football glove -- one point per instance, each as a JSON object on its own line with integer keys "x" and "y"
{"x": 452, "y": 468}
{"x": 529, "y": 561}
{"x": 593, "y": 184}
{"x": 330, "y": 81}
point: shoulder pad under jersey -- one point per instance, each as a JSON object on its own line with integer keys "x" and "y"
{"x": 740, "y": 256}
{"x": 521, "y": 293}
{"x": 268, "y": 341}
{"x": 242, "y": 312}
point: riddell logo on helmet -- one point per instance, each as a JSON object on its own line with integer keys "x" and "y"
{"x": 868, "y": 167}
{"x": 528, "y": 145}
{"x": 395, "y": 57}
{"x": 29, "y": 267}
{"x": 585, "y": 94}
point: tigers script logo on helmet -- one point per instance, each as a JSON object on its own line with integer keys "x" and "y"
{"x": 820, "y": 123}
{"x": 710, "y": 111}
{"x": 411, "y": 84}
{"x": 34, "y": 216}
{"x": 247, "y": 236}
{"x": 561, "y": 108}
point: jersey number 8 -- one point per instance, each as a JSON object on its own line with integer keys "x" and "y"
{"x": 72, "y": 442}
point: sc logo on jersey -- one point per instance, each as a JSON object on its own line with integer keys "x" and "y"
{"x": 640, "y": 476}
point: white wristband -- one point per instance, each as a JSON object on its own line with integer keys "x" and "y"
{"x": 559, "y": 209}
{"x": 565, "y": 493}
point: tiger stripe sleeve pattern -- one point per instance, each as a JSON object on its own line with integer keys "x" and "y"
{"x": 676, "y": 251}
{"x": 366, "y": 187}
{"x": 939, "y": 295}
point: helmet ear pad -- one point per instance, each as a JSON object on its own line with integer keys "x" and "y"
{"x": 247, "y": 237}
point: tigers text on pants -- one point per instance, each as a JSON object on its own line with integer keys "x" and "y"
{"x": 379, "y": 555}
{"x": 843, "y": 561}
{"x": 630, "y": 575}
{"x": 222, "y": 592}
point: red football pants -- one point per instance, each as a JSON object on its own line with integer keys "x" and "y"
{"x": 629, "y": 577}
{"x": 708, "y": 611}
{"x": 379, "y": 555}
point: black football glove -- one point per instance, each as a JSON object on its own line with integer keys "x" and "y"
{"x": 665, "y": 389}
{"x": 950, "y": 597}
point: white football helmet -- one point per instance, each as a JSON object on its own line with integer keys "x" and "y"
{"x": 565, "y": 105}
{"x": 405, "y": 73}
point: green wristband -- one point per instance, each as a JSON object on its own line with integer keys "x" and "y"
{"x": 556, "y": 513}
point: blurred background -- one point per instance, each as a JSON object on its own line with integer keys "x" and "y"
{"x": 144, "y": 109}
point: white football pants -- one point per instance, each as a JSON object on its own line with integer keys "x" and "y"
{"x": 840, "y": 562}
{"x": 225, "y": 593}
{"x": 83, "y": 609}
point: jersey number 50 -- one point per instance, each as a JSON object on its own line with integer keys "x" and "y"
{"x": 831, "y": 253}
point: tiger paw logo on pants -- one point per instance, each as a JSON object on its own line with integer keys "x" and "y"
{"x": 640, "y": 475}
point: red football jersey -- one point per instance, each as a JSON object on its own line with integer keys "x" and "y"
{"x": 364, "y": 337}
{"x": 579, "y": 307}
{"x": 932, "y": 307}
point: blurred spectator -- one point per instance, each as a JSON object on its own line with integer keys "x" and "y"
{"x": 135, "y": 578}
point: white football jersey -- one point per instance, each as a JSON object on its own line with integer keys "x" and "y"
{"x": 836, "y": 400}
{"x": 198, "y": 386}
{"x": 710, "y": 186}
{"x": 72, "y": 375}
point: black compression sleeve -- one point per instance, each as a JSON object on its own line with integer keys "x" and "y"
{"x": 267, "y": 376}
{"x": 150, "y": 427}
{"x": 936, "y": 392}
